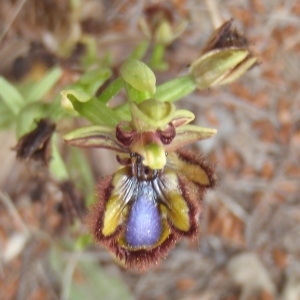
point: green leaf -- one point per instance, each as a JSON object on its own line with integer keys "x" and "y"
{"x": 91, "y": 81}
{"x": 83, "y": 241}
{"x": 11, "y": 96}
{"x": 39, "y": 89}
{"x": 28, "y": 115}
{"x": 97, "y": 284}
{"x": 90, "y": 56}
{"x": 175, "y": 89}
{"x": 6, "y": 117}
{"x": 55, "y": 111}
{"x": 80, "y": 170}
{"x": 57, "y": 166}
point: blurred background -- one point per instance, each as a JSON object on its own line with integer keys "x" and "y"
{"x": 249, "y": 246}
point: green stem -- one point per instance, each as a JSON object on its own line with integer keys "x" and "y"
{"x": 157, "y": 59}
{"x": 140, "y": 51}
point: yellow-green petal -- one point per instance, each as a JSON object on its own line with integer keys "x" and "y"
{"x": 177, "y": 208}
{"x": 194, "y": 172}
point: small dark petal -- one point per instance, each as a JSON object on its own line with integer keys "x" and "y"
{"x": 167, "y": 135}
{"x": 124, "y": 161}
{"x": 125, "y": 133}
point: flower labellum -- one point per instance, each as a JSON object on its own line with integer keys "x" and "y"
{"x": 141, "y": 213}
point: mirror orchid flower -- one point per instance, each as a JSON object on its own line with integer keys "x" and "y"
{"x": 155, "y": 197}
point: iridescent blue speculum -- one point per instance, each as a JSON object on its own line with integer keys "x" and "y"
{"x": 155, "y": 198}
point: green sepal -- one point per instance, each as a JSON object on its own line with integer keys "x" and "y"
{"x": 182, "y": 117}
{"x": 188, "y": 134}
{"x": 240, "y": 69}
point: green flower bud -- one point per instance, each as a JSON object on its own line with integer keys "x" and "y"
{"x": 139, "y": 76}
{"x": 225, "y": 57}
{"x": 210, "y": 69}
{"x": 159, "y": 23}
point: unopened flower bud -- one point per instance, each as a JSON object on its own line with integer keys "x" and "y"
{"x": 225, "y": 57}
